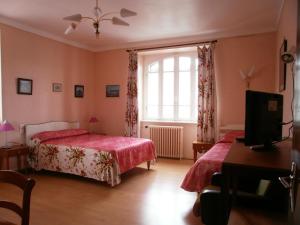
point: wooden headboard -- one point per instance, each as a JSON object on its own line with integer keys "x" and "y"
{"x": 230, "y": 127}
{"x": 31, "y": 129}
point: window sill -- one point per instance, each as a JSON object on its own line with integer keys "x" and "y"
{"x": 165, "y": 121}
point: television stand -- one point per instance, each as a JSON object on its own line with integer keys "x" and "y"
{"x": 264, "y": 148}
{"x": 243, "y": 162}
{"x": 240, "y": 139}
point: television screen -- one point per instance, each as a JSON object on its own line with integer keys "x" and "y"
{"x": 263, "y": 122}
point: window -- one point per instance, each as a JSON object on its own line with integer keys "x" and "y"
{"x": 170, "y": 87}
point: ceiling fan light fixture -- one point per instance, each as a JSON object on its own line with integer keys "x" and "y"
{"x": 98, "y": 18}
{"x": 70, "y": 28}
{"x": 75, "y": 18}
{"x": 97, "y": 34}
{"x": 96, "y": 25}
{"x": 97, "y": 11}
{"x": 118, "y": 21}
{"x": 127, "y": 13}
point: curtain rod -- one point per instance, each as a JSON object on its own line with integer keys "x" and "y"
{"x": 172, "y": 46}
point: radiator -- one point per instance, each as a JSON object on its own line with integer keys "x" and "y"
{"x": 168, "y": 140}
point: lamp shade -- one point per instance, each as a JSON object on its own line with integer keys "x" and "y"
{"x": 117, "y": 21}
{"x": 75, "y": 18}
{"x": 70, "y": 28}
{"x": 6, "y": 126}
{"x": 93, "y": 119}
{"x": 126, "y": 12}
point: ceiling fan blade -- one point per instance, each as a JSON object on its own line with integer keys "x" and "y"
{"x": 70, "y": 28}
{"x": 75, "y": 17}
{"x": 117, "y": 21}
{"x": 126, "y": 12}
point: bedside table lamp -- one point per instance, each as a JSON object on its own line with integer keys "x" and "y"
{"x": 5, "y": 127}
{"x": 93, "y": 120}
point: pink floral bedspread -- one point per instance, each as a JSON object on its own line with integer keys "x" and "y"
{"x": 95, "y": 156}
{"x": 200, "y": 173}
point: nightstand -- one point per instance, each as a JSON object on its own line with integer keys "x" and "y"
{"x": 13, "y": 151}
{"x": 200, "y": 147}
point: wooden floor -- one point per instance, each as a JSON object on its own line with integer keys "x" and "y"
{"x": 143, "y": 198}
{"x": 255, "y": 216}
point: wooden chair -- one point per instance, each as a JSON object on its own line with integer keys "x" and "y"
{"x": 26, "y": 184}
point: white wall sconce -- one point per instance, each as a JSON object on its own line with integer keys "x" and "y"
{"x": 247, "y": 76}
{"x": 289, "y": 56}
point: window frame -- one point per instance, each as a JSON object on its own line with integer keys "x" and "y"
{"x": 148, "y": 60}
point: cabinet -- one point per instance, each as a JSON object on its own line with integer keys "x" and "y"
{"x": 201, "y": 147}
{"x": 15, "y": 151}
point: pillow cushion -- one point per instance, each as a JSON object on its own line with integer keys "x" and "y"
{"x": 48, "y": 135}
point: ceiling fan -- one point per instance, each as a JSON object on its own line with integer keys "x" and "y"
{"x": 98, "y": 18}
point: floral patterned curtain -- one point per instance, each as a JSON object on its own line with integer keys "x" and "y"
{"x": 131, "y": 117}
{"x": 206, "y": 95}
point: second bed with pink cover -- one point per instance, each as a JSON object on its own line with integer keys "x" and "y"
{"x": 199, "y": 175}
{"x": 99, "y": 157}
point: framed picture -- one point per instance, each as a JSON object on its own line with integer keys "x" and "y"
{"x": 282, "y": 67}
{"x": 112, "y": 90}
{"x": 56, "y": 87}
{"x": 24, "y": 86}
{"x": 79, "y": 91}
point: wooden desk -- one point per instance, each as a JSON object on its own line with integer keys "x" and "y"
{"x": 14, "y": 151}
{"x": 242, "y": 161}
{"x": 200, "y": 147}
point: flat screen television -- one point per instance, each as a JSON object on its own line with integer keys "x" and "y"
{"x": 263, "y": 120}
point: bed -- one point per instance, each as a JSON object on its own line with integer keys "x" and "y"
{"x": 63, "y": 147}
{"x": 199, "y": 175}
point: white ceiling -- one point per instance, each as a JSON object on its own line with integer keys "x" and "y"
{"x": 157, "y": 22}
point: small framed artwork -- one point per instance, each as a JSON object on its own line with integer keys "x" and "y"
{"x": 112, "y": 90}
{"x": 24, "y": 86}
{"x": 56, "y": 87}
{"x": 79, "y": 91}
{"x": 282, "y": 67}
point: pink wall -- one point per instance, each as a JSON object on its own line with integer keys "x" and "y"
{"x": 287, "y": 29}
{"x": 232, "y": 54}
{"x": 111, "y": 68}
{"x": 241, "y": 53}
{"x": 44, "y": 61}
